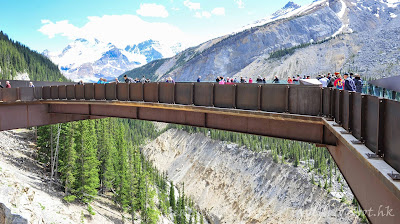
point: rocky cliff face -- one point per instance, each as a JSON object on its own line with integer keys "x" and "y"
{"x": 334, "y": 35}
{"x": 236, "y": 185}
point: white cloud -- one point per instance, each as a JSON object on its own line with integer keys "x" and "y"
{"x": 120, "y": 30}
{"x": 203, "y": 14}
{"x": 240, "y": 3}
{"x": 192, "y": 5}
{"x": 61, "y": 27}
{"x": 152, "y": 10}
{"x": 220, "y": 11}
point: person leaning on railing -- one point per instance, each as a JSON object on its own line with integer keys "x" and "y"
{"x": 8, "y": 85}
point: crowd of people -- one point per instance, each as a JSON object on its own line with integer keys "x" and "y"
{"x": 350, "y": 82}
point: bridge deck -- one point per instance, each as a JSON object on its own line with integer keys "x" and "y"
{"x": 283, "y": 111}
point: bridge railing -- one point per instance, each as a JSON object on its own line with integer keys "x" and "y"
{"x": 372, "y": 120}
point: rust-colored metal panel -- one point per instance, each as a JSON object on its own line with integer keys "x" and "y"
{"x": 69, "y": 108}
{"x": 136, "y": 91}
{"x": 38, "y": 92}
{"x": 225, "y": 96}
{"x": 13, "y": 116}
{"x": 89, "y": 91}
{"x": 10, "y": 94}
{"x": 99, "y": 91}
{"x": 368, "y": 188}
{"x": 169, "y": 116}
{"x": 46, "y": 92}
{"x": 123, "y": 91}
{"x": 62, "y": 92}
{"x": 54, "y": 92}
{"x": 166, "y": 92}
{"x": 338, "y": 106}
{"x": 274, "y": 98}
{"x": 203, "y": 94}
{"x": 114, "y": 111}
{"x": 184, "y": 93}
{"x": 356, "y": 116}
{"x": 346, "y": 109}
{"x": 329, "y": 137}
{"x": 326, "y": 102}
{"x": 70, "y": 92}
{"x": 248, "y": 96}
{"x": 195, "y": 119}
{"x": 150, "y": 92}
{"x": 391, "y": 134}
{"x": 111, "y": 91}
{"x": 38, "y": 115}
{"x": 305, "y": 100}
{"x": 371, "y": 127}
{"x": 80, "y": 92}
{"x": 286, "y": 129}
{"x": 226, "y": 122}
{"x": 26, "y": 93}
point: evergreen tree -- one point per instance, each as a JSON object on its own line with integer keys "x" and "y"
{"x": 87, "y": 164}
{"x": 68, "y": 159}
{"x": 172, "y": 196}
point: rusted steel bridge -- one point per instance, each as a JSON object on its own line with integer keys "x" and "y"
{"x": 361, "y": 132}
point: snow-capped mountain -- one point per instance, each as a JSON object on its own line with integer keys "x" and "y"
{"x": 89, "y": 59}
{"x": 287, "y": 9}
{"x": 290, "y": 6}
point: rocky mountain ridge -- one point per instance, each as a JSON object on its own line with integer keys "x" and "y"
{"x": 330, "y": 35}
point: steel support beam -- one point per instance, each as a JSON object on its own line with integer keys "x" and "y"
{"x": 277, "y": 125}
{"x": 21, "y": 115}
{"x": 377, "y": 193}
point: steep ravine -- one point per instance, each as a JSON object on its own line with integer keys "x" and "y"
{"x": 232, "y": 184}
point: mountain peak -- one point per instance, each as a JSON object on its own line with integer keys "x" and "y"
{"x": 290, "y": 6}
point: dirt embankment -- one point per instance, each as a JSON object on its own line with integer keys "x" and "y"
{"x": 25, "y": 191}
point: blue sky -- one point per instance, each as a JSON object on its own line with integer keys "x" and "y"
{"x": 52, "y": 24}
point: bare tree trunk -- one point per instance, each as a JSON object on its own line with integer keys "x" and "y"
{"x": 51, "y": 154}
{"x": 54, "y": 159}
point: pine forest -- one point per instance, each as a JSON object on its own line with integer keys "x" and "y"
{"x": 16, "y": 58}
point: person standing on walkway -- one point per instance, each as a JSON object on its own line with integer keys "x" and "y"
{"x": 349, "y": 83}
{"x": 289, "y": 80}
{"x": 276, "y": 80}
{"x": 1, "y": 86}
{"x": 199, "y": 79}
{"x": 324, "y": 81}
{"x": 31, "y": 84}
{"x": 8, "y": 85}
{"x": 339, "y": 82}
{"x": 358, "y": 82}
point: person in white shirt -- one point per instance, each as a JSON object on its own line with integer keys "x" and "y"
{"x": 324, "y": 81}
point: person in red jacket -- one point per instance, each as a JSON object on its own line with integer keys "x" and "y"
{"x": 8, "y": 85}
{"x": 289, "y": 80}
{"x": 339, "y": 82}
